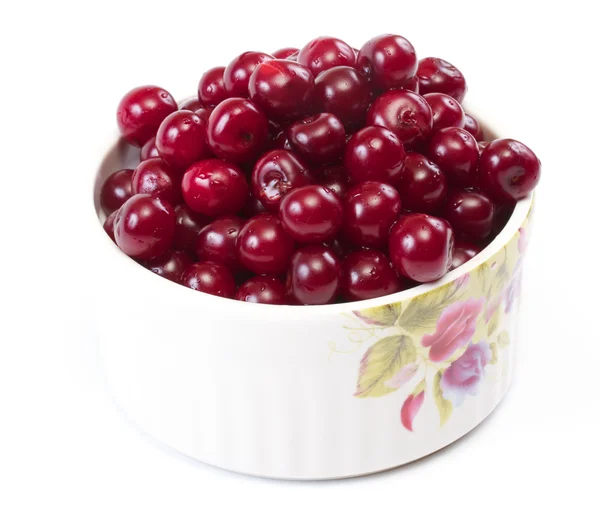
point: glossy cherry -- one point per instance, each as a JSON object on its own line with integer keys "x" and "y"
{"x": 482, "y": 145}
{"x": 109, "y": 224}
{"x": 423, "y": 186}
{"x": 389, "y": 60}
{"x": 420, "y": 247}
{"x": 438, "y": 76}
{"x": 262, "y": 289}
{"x": 237, "y": 74}
{"x": 181, "y": 139}
{"x": 345, "y": 93}
{"x": 282, "y": 141}
{"x": 284, "y": 53}
{"x": 216, "y": 241}
{"x": 145, "y": 227}
{"x": 368, "y": 274}
{"x": 190, "y": 104}
{"x": 470, "y": 213}
{"x": 252, "y": 207}
{"x": 211, "y": 87}
{"x": 116, "y": 190}
{"x": 455, "y": 151}
{"x": 263, "y": 246}
{"x": 237, "y": 130}
{"x": 412, "y": 84}
{"x": 204, "y": 113}
{"x": 318, "y": 139}
{"x": 472, "y": 127}
{"x": 508, "y": 170}
{"x": 324, "y": 53}
{"x": 154, "y": 177}
{"x": 211, "y": 278}
{"x": 292, "y": 57}
{"x": 141, "y": 111}
{"x": 334, "y": 178}
{"x": 149, "y": 149}
{"x": 275, "y": 174}
{"x": 314, "y": 276}
{"x": 374, "y": 153}
{"x": 187, "y": 227}
{"x": 447, "y": 112}
{"x": 405, "y": 113}
{"x": 370, "y": 209}
{"x": 311, "y": 214}
{"x": 463, "y": 252}
{"x": 214, "y": 188}
{"x": 171, "y": 265}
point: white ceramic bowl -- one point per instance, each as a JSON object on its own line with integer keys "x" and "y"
{"x": 312, "y": 392}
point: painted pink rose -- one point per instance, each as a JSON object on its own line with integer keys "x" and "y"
{"x": 410, "y": 408}
{"x": 453, "y": 330}
{"x": 465, "y": 374}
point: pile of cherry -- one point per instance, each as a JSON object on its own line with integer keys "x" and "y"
{"x": 313, "y": 176}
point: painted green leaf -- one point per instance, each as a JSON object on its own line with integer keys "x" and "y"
{"x": 494, "y": 321}
{"x": 444, "y": 406}
{"x": 503, "y": 339}
{"x": 385, "y": 315}
{"x": 381, "y": 362}
{"x": 494, "y": 349}
{"x": 419, "y": 388}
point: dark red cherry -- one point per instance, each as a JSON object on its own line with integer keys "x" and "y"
{"x": 237, "y": 130}
{"x": 116, "y": 190}
{"x": 263, "y": 246}
{"x": 508, "y": 170}
{"x": 412, "y": 84}
{"x": 420, "y": 247}
{"x": 374, "y": 153}
{"x": 149, "y": 149}
{"x": 482, "y": 145}
{"x": 171, "y": 265}
{"x": 284, "y": 53}
{"x": 204, "y": 113}
{"x": 282, "y": 89}
{"x": 281, "y": 141}
{"x": 463, "y": 252}
{"x": 141, "y": 111}
{"x": 190, "y": 104}
{"x": 370, "y": 209}
{"x": 262, "y": 289}
{"x": 439, "y": 76}
{"x": 211, "y": 278}
{"x": 318, "y": 139}
{"x": 314, "y": 276}
{"x": 345, "y": 93}
{"x": 109, "y": 224}
{"x": 216, "y": 241}
{"x": 237, "y": 74}
{"x": 455, "y": 151}
{"x": 214, "y": 188}
{"x": 472, "y": 127}
{"x": 275, "y": 174}
{"x": 324, "y": 53}
{"x": 311, "y": 214}
{"x": 155, "y": 177}
{"x": 447, "y": 112}
{"x": 252, "y": 207}
{"x": 181, "y": 139}
{"x": 405, "y": 113}
{"x": 211, "y": 87}
{"x": 334, "y": 178}
{"x": 470, "y": 213}
{"x": 145, "y": 227}
{"x": 368, "y": 274}
{"x": 389, "y": 60}
{"x": 422, "y": 186}
{"x": 187, "y": 226}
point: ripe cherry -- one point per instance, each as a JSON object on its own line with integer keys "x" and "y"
{"x": 439, "y": 76}
{"x": 318, "y": 139}
{"x": 472, "y": 127}
{"x": 422, "y": 186}
{"x": 149, "y": 149}
{"x": 211, "y": 87}
{"x": 109, "y": 225}
{"x": 389, "y": 60}
{"x": 155, "y": 177}
{"x": 181, "y": 139}
{"x": 334, "y": 178}
{"x": 211, "y": 278}
{"x": 262, "y": 289}
{"x": 171, "y": 265}
{"x": 368, "y": 274}
{"x": 116, "y": 190}
{"x": 324, "y": 53}
{"x": 284, "y": 53}
{"x": 455, "y": 151}
{"x": 447, "y": 112}
{"x": 187, "y": 226}
{"x": 216, "y": 241}
{"x": 237, "y": 74}
{"x": 252, "y": 207}
{"x": 314, "y": 276}
{"x": 470, "y": 213}
{"x": 463, "y": 252}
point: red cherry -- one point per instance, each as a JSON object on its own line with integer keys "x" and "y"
{"x": 214, "y": 188}
{"x": 482, "y": 145}
{"x": 293, "y": 57}
{"x": 237, "y": 74}
{"x": 420, "y": 247}
{"x": 463, "y": 252}
{"x": 141, "y": 111}
{"x": 109, "y": 225}
{"x": 319, "y": 139}
{"x": 472, "y": 127}
{"x": 187, "y": 226}
{"x": 275, "y": 174}
{"x": 211, "y": 88}
{"x": 281, "y": 141}
{"x": 324, "y": 53}
{"x": 368, "y": 274}
{"x": 508, "y": 170}
{"x": 412, "y": 84}
{"x": 339, "y": 246}
{"x": 190, "y": 104}
{"x": 311, "y": 214}
{"x": 370, "y": 209}
{"x": 374, "y": 153}
{"x": 345, "y": 93}
{"x": 334, "y": 178}
{"x": 471, "y": 214}
{"x": 282, "y": 89}
{"x": 237, "y": 130}
{"x": 171, "y": 265}
{"x": 263, "y": 289}
{"x": 389, "y": 60}
{"x": 439, "y": 76}
{"x": 211, "y": 278}
{"x": 145, "y": 226}
{"x": 455, "y": 151}
{"x": 216, "y": 241}
{"x": 314, "y": 276}
{"x": 405, "y": 113}
{"x": 423, "y": 186}
{"x": 116, "y": 190}
{"x": 149, "y": 149}
{"x": 181, "y": 139}
{"x": 447, "y": 112}
{"x": 155, "y": 177}
{"x": 204, "y": 113}
{"x": 263, "y": 246}
{"x": 284, "y": 53}
{"x": 252, "y": 207}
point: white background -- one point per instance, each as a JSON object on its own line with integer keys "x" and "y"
{"x": 65, "y": 65}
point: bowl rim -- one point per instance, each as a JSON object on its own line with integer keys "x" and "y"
{"x": 243, "y": 309}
